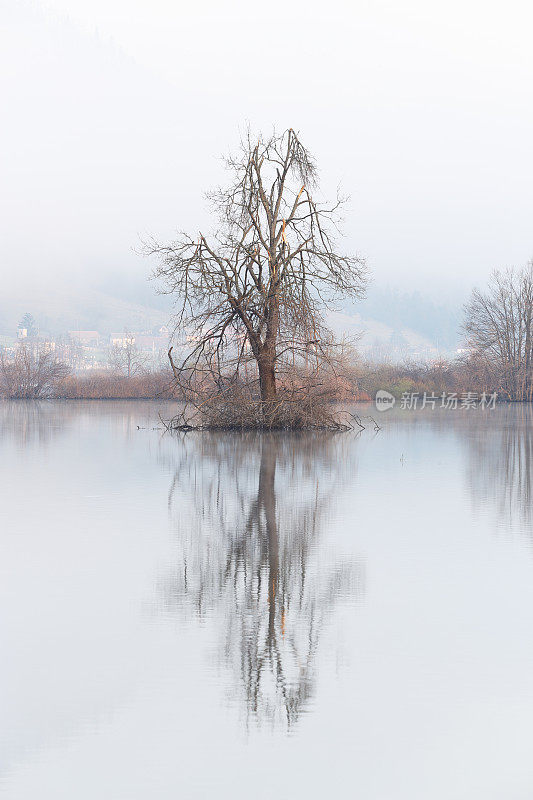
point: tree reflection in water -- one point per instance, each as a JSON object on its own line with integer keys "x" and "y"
{"x": 32, "y": 421}
{"x": 501, "y": 463}
{"x": 249, "y": 514}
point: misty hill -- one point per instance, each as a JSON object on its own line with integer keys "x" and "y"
{"x": 435, "y": 322}
{"x": 60, "y": 309}
{"x": 388, "y": 323}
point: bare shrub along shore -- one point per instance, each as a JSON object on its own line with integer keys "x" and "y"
{"x": 109, "y": 386}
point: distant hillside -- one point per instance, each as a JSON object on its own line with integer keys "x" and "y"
{"x": 395, "y": 325}
{"x": 59, "y": 309}
{"x": 387, "y": 324}
{"x": 436, "y": 322}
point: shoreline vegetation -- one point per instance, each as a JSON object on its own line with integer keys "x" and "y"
{"x": 358, "y": 382}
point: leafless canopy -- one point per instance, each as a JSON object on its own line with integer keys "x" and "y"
{"x": 30, "y": 373}
{"x": 126, "y": 358}
{"x": 499, "y": 330}
{"x": 251, "y": 297}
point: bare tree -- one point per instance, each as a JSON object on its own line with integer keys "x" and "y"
{"x": 31, "y": 373}
{"x": 126, "y": 358}
{"x": 251, "y": 297}
{"x": 499, "y": 330}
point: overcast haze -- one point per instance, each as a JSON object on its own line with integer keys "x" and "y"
{"x": 115, "y": 114}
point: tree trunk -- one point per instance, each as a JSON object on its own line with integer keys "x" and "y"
{"x": 267, "y": 377}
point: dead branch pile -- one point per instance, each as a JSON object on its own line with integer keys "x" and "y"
{"x": 234, "y": 407}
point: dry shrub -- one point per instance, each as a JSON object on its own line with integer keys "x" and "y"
{"x": 460, "y": 375}
{"x": 110, "y": 386}
{"x": 237, "y": 406}
{"x": 31, "y": 373}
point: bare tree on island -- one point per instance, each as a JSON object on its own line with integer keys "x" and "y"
{"x": 251, "y": 298}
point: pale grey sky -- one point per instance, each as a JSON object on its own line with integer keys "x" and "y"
{"x": 115, "y": 113}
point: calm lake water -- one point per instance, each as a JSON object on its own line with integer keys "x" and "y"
{"x": 227, "y": 616}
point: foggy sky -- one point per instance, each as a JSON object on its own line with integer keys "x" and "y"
{"x": 115, "y": 114}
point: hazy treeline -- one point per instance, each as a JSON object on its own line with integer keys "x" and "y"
{"x": 33, "y": 373}
{"x": 498, "y": 331}
{"x": 30, "y": 375}
{"x": 458, "y": 375}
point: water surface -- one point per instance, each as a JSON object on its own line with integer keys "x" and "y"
{"x": 239, "y": 616}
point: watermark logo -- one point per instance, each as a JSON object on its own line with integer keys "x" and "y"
{"x": 384, "y": 400}
{"x": 411, "y": 401}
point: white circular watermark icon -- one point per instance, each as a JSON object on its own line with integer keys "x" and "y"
{"x": 384, "y": 400}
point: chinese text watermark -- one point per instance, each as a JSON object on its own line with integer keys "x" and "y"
{"x": 411, "y": 401}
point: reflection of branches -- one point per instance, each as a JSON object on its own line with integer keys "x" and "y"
{"x": 502, "y": 461}
{"x": 31, "y": 421}
{"x": 41, "y": 421}
{"x": 499, "y": 449}
{"x": 253, "y": 552}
